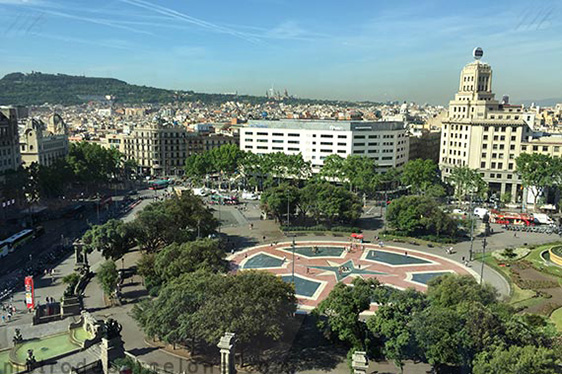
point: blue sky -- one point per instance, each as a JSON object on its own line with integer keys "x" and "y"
{"x": 368, "y": 49}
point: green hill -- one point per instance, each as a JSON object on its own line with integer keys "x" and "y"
{"x": 38, "y": 88}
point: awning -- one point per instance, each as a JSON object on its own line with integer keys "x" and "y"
{"x": 357, "y": 236}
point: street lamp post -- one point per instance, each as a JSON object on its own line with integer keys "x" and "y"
{"x": 288, "y": 214}
{"x": 482, "y": 261}
{"x": 471, "y": 215}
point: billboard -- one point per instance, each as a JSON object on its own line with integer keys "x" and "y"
{"x": 29, "y": 293}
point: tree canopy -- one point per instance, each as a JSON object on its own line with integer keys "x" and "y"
{"x": 112, "y": 239}
{"x": 419, "y": 215}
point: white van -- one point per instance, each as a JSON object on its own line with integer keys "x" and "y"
{"x": 249, "y": 196}
{"x": 200, "y": 191}
{"x": 543, "y": 219}
{"x": 480, "y": 212}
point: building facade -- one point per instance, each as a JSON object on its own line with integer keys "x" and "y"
{"x": 425, "y": 145}
{"x": 9, "y": 139}
{"x": 484, "y": 134}
{"x": 43, "y": 143}
{"x": 385, "y": 142}
{"x": 162, "y": 148}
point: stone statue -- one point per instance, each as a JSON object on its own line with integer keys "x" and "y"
{"x": 17, "y": 337}
{"x": 111, "y": 329}
{"x": 30, "y": 361}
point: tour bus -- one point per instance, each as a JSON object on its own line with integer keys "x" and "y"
{"x": 159, "y": 185}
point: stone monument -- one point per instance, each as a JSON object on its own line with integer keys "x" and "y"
{"x": 81, "y": 257}
{"x": 111, "y": 344}
{"x": 226, "y": 345}
{"x": 359, "y": 362}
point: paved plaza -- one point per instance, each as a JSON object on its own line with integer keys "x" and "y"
{"x": 319, "y": 265}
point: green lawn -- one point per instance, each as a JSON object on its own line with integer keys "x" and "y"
{"x": 556, "y": 317}
{"x": 535, "y": 257}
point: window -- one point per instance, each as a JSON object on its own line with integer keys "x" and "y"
{"x": 500, "y": 165}
{"x": 342, "y": 136}
{"x": 326, "y": 143}
{"x": 325, "y": 151}
{"x": 509, "y": 176}
{"x": 483, "y": 165}
{"x": 262, "y": 147}
{"x": 512, "y": 147}
{"x": 484, "y": 146}
{"x": 510, "y": 166}
{"x": 277, "y": 148}
{"x": 277, "y": 140}
{"x": 341, "y": 151}
{"x": 277, "y": 134}
{"x": 293, "y": 142}
{"x": 483, "y": 154}
{"x": 493, "y": 165}
{"x": 292, "y": 149}
{"x": 293, "y": 135}
{"x": 523, "y": 147}
{"x": 556, "y": 149}
{"x": 249, "y": 132}
{"x": 485, "y": 137}
{"x": 513, "y": 138}
{"x": 544, "y": 148}
{"x": 358, "y": 144}
{"x": 261, "y": 133}
{"x": 326, "y": 136}
{"x": 535, "y": 148}
{"x": 359, "y": 137}
{"x": 342, "y": 144}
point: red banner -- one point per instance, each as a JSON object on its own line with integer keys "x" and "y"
{"x": 29, "y": 293}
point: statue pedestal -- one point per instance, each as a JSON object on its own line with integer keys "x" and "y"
{"x": 226, "y": 346}
{"x": 111, "y": 349}
{"x": 359, "y": 363}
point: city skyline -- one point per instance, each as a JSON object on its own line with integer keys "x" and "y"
{"x": 375, "y": 52}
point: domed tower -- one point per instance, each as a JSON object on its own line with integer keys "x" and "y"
{"x": 475, "y": 96}
{"x": 56, "y": 125}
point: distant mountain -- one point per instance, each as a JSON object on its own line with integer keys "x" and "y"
{"x": 38, "y": 88}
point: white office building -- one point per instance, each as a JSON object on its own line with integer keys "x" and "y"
{"x": 385, "y": 142}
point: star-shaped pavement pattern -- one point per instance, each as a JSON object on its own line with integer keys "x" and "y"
{"x": 351, "y": 270}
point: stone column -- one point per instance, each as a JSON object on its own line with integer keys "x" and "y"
{"x": 226, "y": 346}
{"x": 359, "y": 363}
{"x": 111, "y": 349}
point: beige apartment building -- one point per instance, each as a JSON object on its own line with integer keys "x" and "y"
{"x": 43, "y": 143}
{"x": 162, "y": 148}
{"x": 484, "y": 134}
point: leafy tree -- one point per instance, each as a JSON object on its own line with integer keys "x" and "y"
{"x": 419, "y": 215}
{"x": 175, "y": 220}
{"x": 333, "y": 168}
{"x": 361, "y": 172}
{"x": 467, "y": 181}
{"x": 113, "y": 239}
{"x": 176, "y": 259}
{"x": 197, "y": 166}
{"x": 538, "y": 171}
{"x": 420, "y": 175}
{"x": 255, "y": 305}
{"x": 437, "y": 332}
{"x": 339, "y": 312}
{"x": 202, "y": 306}
{"x": 392, "y": 322}
{"x": 450, "y": 290}
{"x": 276, "y": 200}
{"x": 108, "y": 277}
{"x": 517, "y": 360}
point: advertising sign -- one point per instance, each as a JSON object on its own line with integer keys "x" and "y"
{"x": 29, "y": 292}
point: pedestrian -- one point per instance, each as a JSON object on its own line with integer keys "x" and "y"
{"x": 405, "y": 253}
{"x": 463, "y": 259}
{"x": 232, "y": 251}
{"x": 263, "y": 238}
{"x": 381, "y": 244}
{"x": 3, "y": 318}
{"x": 515, "y": 235}
{"x": 307, "y": 270}
{"x": 359, "y": 266}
